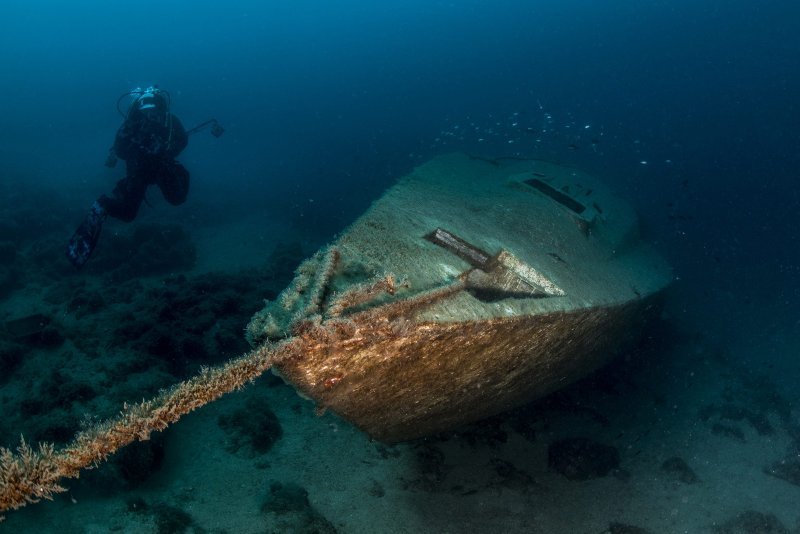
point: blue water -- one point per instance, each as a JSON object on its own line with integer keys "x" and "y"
{"x": 688, "y": 108}
{"x": 337, "y": 100}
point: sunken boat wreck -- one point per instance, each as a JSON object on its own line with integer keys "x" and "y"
{"x": 472, "y": 286}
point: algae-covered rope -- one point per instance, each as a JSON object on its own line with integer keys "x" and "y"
{"x": 30, "y": 475}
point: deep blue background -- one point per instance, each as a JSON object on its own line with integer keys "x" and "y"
{"x": 332, "y": 100}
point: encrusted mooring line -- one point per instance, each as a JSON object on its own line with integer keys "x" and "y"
{"x": 322, "y": 281}
{"x": 364, "y": 293}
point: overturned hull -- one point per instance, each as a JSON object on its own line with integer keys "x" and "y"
{"x": 470, "y": 287}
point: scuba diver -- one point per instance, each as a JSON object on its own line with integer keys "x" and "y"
{"x": 149, "y": 141}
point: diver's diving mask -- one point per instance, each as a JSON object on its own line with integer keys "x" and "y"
{"x": 147, "y": 98}
{"x": 151, "y": 103}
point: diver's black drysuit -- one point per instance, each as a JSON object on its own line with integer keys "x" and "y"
{"x": 149, "y": 149}
{"x": 149, "y": 141}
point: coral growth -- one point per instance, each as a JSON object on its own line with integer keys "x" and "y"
{"x": 32, "y": 475}
{"x": 28, "y": 476}
{"x": 322, "y": 280}
{"x": 363, "y": 293}
{"x": 301, "y": 300}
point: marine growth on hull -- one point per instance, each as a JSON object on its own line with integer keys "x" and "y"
{"x": 469, "y": 287}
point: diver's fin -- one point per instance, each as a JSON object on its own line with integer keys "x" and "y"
{"x": 83, "y": 241}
